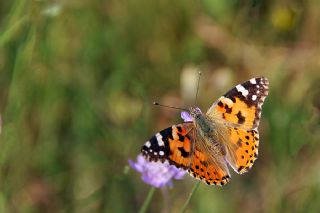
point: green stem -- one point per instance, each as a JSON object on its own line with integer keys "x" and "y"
{"x": 195, "y": 187}
{"x": 147, "y": 200}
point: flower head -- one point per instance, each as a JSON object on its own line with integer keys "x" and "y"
{"x": 186, "y": 116}
{"x": 156, "y": 174}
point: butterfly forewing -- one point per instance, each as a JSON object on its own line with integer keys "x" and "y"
{"x": 241, "y": 106}
{"x": 173, "y": 144}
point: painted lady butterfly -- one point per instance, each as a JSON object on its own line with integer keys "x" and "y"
{"x": 226, "y": 134}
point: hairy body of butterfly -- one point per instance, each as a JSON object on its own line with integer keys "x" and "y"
{"x": 207, "y": 143}
{"x": 208, "y": 131}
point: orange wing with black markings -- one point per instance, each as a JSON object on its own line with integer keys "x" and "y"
{"x": 238, "y": 113}
{"x": 173, "y": 144}
{"x": 242, "y": 149}
{"x": 241, "y": 107}
{"x": 180, "y": 146}
{"x": 209, "y": 170}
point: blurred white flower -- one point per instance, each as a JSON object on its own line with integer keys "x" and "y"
{"x": 52, "y": 10}
{"x": 189, "y": 80}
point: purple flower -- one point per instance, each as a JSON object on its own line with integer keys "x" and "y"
{"x": 156, "y": 174}
{"x": 186, "y": 116}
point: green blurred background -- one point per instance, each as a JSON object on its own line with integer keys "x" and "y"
{"x": 77, "y": 82}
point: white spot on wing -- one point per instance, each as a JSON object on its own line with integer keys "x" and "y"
{"x": 227, "y": 101}
{"x": 254, "y": 97}
{"x": 159, "y": 139}
{"x": 253, "y": 81}
{"x": 147, "y": 144}
{"x": 161, "y": 153}
{"x": 243, "y": 90}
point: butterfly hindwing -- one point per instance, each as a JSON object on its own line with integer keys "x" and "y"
{"x": 241, "y": 106}
{"x": 209, "y": 170}
{"x": 242, "y": 149}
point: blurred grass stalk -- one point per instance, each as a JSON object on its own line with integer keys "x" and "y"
{"x": 12, "y": 30}
{"x": 194, "y": 189}
{"x": 147, "y": 201}
{"x": 15, "y": 22}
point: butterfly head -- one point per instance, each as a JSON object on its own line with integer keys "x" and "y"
{"x": 195, "y": 112}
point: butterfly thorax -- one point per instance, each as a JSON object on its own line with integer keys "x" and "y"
{"x": 201, "y": 122}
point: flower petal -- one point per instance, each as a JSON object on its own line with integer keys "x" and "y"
{"x": 179, "y": 174}
{"x": 136, "y": 166}
{"x": 156, "y": 174}
{"x": 186, "y": 116}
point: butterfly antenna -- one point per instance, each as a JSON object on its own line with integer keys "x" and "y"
{"x": 199, "y": 75}
{"x": 157, "y": 104}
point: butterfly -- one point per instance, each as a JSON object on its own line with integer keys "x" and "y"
{"x": 227, "y": 134}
